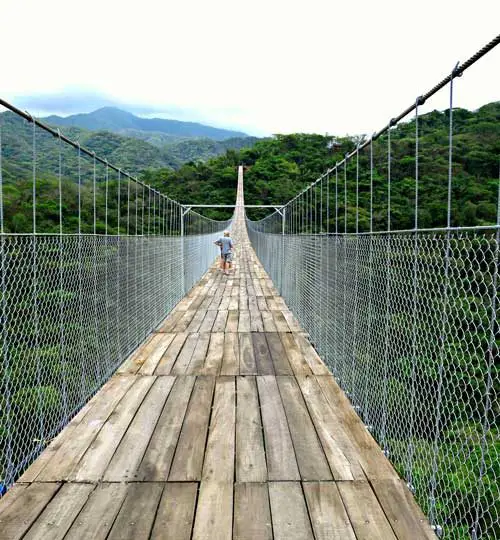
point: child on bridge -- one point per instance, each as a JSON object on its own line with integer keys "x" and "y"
{"x": 226, "y": 252}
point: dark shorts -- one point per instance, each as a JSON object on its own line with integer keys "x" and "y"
{"x": 227, "y": 257}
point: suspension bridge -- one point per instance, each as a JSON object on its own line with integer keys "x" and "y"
{"x": 337, "y": 384}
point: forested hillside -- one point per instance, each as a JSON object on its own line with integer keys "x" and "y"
{"x": 278, "y": 168}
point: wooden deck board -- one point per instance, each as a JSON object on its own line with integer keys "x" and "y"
{"x": 224, "y": 423}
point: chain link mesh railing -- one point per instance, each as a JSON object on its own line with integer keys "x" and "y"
{"x": 91, "y": 260}
{"x": 405, "y": 316}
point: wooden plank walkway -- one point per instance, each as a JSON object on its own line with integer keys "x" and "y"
{"x": 223, "y": 424}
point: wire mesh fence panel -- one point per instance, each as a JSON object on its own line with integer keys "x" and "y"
{"x": 91, "y": 261}
{"x": 396, "y": 283}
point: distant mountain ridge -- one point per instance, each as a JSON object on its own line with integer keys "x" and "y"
{"x": 118, "y": 121}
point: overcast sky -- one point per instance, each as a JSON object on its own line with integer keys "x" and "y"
{"x": 262, "y": 66}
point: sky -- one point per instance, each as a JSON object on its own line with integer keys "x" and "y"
{"x": 260, "y": 66}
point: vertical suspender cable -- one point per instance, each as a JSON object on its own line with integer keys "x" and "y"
{"x": 415, "y": 309}
{"x": 36, "y": 352}
{"x": 385, "y": 381}
{"x": 118, "y": 270}
{"x": 80, "y": 282}
{"x": 444, "y": 322}
{"x": 62, "y": 358}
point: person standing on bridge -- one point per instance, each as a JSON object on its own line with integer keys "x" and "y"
{"x": 226, "y": 252}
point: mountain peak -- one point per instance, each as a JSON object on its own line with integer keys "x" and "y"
{"x": 117, "y": 120}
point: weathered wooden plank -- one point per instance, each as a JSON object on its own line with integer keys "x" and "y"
{"x": 126, "y": 460}
{"x": 218, "y": 464}
{"x": 281, "y": 462}
{"x": 312, "y": 358}
{"x": 311, "y": 459}
{"x": 220, "y": 321}
{"x": 224, "y": 303}
{"x": 150, "y": 363}
{"x": 280, "y": 321}
{"x": 213, "y": 360}
{"x": 295, "y": 355}
{"x": 367, "y": 517}
{"x": 184, "y": 321}
{"x": 198, "y": 358}
{"x": 188, "y": 458}
{"x": 268, "y": 321}
{"x": 169, "y": 357}
{"x": 343, "y": 457}
{"x": 328, "y": 516}
{"x": 17, "y": 517}
{"x": 136, "y": 516}
{"x": 58, "y": 515}
{"x": 375, "y": 465}
{"x": 208, "y": 321}
{"x": 134, "y": 362}
{"x": 292, "y": 322}
{"x": 244, "y": 322}
{"x": 250, "y": 452}
{"x": 262, "y": 355}
{"x": 261, "y": 303}
{"x": 278, "y": 354}
{"x": 271, "y": 302}
{"x": 194, "y": 325}
{"x": 184, "y": 357}
{"x": 231, "y": 354}
{"x": 70, "y": 453}
{"x": 93, "y": 464}
{"x": 174, "y": 519}
{"x": 214, "y": 512}
{"x": 289, "y": 512}
{"x": 256, "y": 324}
{"x": 232, "y": 321}
{"x": 99, "y": 513}
{"x": 155, "y": 465}
{"x": 234, "y": 301}
{"x": 252, "y": 515}
{"x": 401, "y": 510}
{"x": 247, "y": 357}
{"x": 169, "y": 323}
